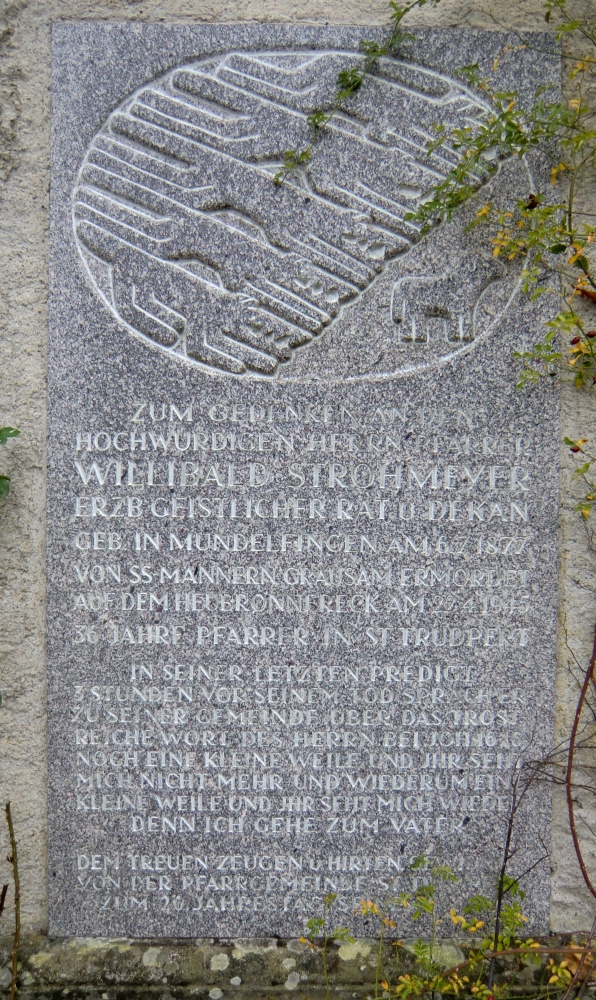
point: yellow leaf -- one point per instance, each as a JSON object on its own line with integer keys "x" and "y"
{"x": 580, "y": 67}
{"x": 555, "y": 171}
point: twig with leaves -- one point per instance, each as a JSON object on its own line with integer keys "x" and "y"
{"x": 318, "y": 931}
{"x": 386, "y": 923}
{"x": 349, "y": 82}
{"x": 5, "y": 434}
{"x": 423, "y": 902}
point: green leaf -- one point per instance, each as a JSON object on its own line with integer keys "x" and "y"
{"x": 421, "y": 950}
{"x": 582, "y": 263}
{"x": 558, "y": 248}
{"x": 478, "y": 904}
{"x": 343, "y": 934}
{"x": 582, "y": 469}
{"x": 4, "y": 485}
{"x": 6, "y": 433}
{"x": 315, "y": 923}
{"x": 348, "y": 82}
{"x": 471, "y": 73}
{"x": 292, "y": 160}
{"x": 372, "y": 49}
{"x": 318, "y": 119}
{"x": 569, "y": 26}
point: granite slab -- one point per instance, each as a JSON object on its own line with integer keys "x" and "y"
{"x": 302, "y": 526}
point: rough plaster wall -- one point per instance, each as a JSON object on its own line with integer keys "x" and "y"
{"x": 572, "y": 906}
{"x": 24, "y": 175}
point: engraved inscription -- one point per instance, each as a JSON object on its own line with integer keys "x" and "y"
{"x": 311, "y": 604}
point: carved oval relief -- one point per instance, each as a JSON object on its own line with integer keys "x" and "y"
{"x": 193, "y": 247}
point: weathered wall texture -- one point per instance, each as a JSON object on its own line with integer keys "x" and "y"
{"x": 24, "y": 179}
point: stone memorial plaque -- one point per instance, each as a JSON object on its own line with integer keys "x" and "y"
{"x": 302, "y": 525}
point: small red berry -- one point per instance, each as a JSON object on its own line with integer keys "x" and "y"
{"x": 575, "y": 448}
{"x": 575, "y": 340}
{"x": 591, "y": 333}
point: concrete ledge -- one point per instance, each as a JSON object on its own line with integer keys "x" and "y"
{"x": 107, "y": 969}
{"x": 210, "y": 969}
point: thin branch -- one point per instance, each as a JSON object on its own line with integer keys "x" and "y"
{"x": 570, "y": 761}
{"x": 13, "y": 859}
{"x": 587, "y": 977}
{"x": 508, "y": 852}
{"x": 527, "y": 872}
{"x": 578, "y": 971}
{"x": 581, "y": 818}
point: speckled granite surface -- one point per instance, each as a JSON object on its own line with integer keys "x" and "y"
{"x": 302, "y": 527}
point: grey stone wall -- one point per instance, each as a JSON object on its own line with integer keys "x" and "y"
{"x": 24, "y": 180}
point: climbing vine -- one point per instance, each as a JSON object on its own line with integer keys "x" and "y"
{"x": 553, "y": 236}
{"x": 349, "y": 81}
{"x": 5, "y": 434}
{"x": 547, "y": 231}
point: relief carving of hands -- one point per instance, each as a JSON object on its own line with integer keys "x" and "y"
{"x": 193, "y": 246}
